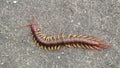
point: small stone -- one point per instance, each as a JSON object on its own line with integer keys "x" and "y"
{"x": 14, "y": 1}
{"x": 58, "y": 57}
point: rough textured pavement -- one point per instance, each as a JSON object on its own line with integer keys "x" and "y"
{"x": 99, "y": 18}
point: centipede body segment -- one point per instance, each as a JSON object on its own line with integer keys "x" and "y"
{"x": 71, "y": 40}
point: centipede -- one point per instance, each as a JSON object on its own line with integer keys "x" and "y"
{"x": 70, "y": 40}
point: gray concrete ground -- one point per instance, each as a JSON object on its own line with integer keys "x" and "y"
{"x": 99, "y": 18}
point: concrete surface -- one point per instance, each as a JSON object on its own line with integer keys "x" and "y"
{"x": 99, "y": 18}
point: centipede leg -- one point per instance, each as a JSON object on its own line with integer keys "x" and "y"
{"x": 68, "y": 45}
{"x": 97, "y": 48}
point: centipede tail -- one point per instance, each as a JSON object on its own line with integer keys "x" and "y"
{"x": 71, "y": 40}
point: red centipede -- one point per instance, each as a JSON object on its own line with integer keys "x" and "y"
{"x": 71, "y": 40}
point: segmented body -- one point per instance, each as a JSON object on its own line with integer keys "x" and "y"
{"x": 55, "y": 42}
